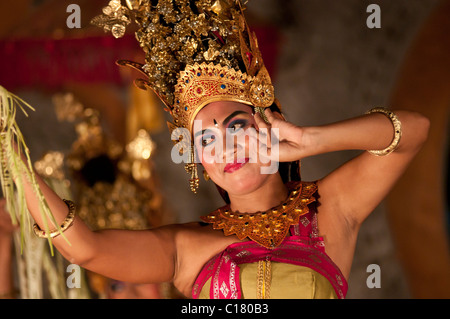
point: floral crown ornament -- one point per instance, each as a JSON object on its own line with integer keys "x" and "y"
{"x": 196, "y": 52}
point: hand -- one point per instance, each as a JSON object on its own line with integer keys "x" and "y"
{"x": 287, "y": 135}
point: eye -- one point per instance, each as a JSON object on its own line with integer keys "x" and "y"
{"x": 237, "y": 125}
{"x": 207, "y": 139}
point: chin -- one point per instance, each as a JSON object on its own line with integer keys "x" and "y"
{"x": 244, "y": 182}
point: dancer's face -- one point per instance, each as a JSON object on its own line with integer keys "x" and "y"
{"x": 225, "y": 139}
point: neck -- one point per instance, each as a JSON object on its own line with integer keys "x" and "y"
{"x": 270, "y": 194}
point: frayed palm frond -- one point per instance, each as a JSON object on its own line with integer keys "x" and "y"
{"x": 16, "y": 167}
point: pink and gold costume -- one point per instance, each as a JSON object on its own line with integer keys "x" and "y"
{"x": 298, "y": 268}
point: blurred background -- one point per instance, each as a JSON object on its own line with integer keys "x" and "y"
{"x": 326, "y": 65}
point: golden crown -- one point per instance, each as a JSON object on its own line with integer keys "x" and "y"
{"x": 200, "y": 84}
{"x": 197, "y": 52}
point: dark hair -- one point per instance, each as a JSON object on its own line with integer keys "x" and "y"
{"x": 289, "y": 171}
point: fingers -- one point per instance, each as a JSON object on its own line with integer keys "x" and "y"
{"x": 270, "y": 116}
{"x": 263, "y": 131}
{"x": 259, "y": 121}
{"x": 259, "y": 148}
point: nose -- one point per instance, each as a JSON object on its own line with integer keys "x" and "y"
{"x": 234, "y": 147}
{"x": 229, "y": 149}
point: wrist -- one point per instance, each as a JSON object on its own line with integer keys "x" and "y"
{"x": 312, "y": 141}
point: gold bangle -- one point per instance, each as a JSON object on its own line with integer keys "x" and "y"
{"x": 397, "y": 131}
{"x": 67, "y": 223}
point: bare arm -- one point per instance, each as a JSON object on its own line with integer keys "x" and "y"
{"x": 357, "y": 187}
{"x": 353, "y": 190}
{"x": 133, "y": 256}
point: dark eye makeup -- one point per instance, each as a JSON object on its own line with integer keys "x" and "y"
{"x": 208, "y": 136}
{"x": 237, "y": 125}
{"x": 207, "y": 139}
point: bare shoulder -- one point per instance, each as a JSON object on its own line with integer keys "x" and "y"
{"x": 196, "y": 243}
{"x": 188, "y": 231}
{"x": 200, "y": 236}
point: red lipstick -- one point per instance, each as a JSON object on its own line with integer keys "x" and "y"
{"x": 232, "y": 167}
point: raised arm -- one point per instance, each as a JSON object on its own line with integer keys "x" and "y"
{"x": 134, "y": 256}
{"x": 356, "y": 188}
{"x": 353, "y": 190}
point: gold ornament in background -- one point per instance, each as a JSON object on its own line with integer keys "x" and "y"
{"x": 121, "y": 205}
{"x": 138, "y": 153}
{"x": 123, "y": 202}
{"x": 141, "y": 147}
{"x": 115, "y": 18}
{"x": 52, "y": 169}
{"x": 67, "y": 108}
{"x": 51, "y": 166}
{"x": 91, "y": 142}
{"x": 143, "y": 112}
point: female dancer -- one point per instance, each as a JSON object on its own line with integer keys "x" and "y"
{"x": 281, "y": 238}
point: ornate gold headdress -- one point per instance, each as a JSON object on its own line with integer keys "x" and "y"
{"x": 197, "y": 52}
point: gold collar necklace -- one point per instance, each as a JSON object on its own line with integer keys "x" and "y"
{"x": 267, "y": 228}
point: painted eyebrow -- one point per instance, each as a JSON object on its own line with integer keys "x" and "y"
{"x": 229, "y": 117}
{"x": 224, "y": 123}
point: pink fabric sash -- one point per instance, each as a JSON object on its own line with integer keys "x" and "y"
{"x": 303, "y": 248}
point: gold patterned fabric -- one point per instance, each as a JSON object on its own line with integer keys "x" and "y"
{"x": 287, "y": 282}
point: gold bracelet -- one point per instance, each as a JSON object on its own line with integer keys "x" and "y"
{"x": 397, "y": 131}
{"x": 67, "y": 223}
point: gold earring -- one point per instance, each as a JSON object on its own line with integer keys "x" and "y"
{"x": 205, "y": 175}
{"x": 191, "y": 168}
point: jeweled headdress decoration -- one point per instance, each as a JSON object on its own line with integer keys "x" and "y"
{"x": 197, "y": 52}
